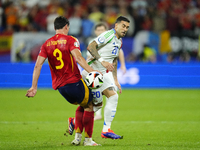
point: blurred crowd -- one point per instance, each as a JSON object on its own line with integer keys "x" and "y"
{"x": 149, "y": 15}
{"x": 152, "y": 15}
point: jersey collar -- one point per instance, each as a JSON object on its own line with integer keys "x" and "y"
{"x": 114, "y": 30}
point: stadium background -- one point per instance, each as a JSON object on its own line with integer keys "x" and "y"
{"x": 150, "y": 115}
{"x": 161, "y": 48}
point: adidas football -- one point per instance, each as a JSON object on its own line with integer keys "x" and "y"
{"x": 94, "y": 80}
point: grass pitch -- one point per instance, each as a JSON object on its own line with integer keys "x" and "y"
{"x": 149, "y": 120}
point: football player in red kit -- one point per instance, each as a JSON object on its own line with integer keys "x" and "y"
{"x": 63, "y": 53}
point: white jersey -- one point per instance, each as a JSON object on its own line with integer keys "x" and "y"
{"x": 108, "y": 48}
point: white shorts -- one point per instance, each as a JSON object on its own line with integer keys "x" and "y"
{"x": 111, "y": 78}
{"x": 108, "y": 81}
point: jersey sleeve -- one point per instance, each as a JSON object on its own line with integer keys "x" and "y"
{"x": 74, "y": 44}
{"x": 43, "y": 52}
{"x": 105, "y": 37}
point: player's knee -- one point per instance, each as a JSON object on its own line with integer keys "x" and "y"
{"x": 89, "y": 107}
{"x": 109, "y": 92}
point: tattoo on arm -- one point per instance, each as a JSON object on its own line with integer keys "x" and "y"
{"x": 92, "y": 48}
{"x": 115, "y": 69}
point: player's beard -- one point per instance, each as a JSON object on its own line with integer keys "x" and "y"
{"x": 123, "y": 34}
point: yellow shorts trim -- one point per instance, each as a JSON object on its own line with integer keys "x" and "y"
{"x": 86, "y": 98}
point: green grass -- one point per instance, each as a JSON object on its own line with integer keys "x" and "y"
{"x": 149, "y": 120}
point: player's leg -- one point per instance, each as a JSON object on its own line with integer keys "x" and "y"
{"x": 88, "y": 123}
{"x": 79, "y": 93}
{"x": 88, "y": 116}
{"x": 109, "y": 114}
{"x": 97, "y": 101}
{"x": 69, "y": 92}
{"x": 78, "y": 125}
{"x": 110, "y": 108}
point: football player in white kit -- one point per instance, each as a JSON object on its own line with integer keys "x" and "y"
{"x": 98, "y": 29}
{"x": 105, "y": 50}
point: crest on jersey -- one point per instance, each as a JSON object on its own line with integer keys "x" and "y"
{"x": 76, "y": 44}
{"x": 101, "y": 39}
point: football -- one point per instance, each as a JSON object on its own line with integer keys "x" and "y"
{"x": 94, "y": 80}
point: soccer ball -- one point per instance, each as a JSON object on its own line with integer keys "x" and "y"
{"x": 94, "y": 80}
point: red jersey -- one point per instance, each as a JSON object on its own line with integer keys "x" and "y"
{"x": 63, "y": 66}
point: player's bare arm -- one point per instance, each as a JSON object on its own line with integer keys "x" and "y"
{"x": 92, "y": 48}
{"x": 80, "y": 60}
{"x": 115, "y": 69}
{"x": 36, "y": 73}
{"x": 115, "y": 75}
{"x": 122, "y": 61}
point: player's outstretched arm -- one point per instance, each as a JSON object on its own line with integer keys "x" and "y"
{"x": 115, "y": 75}
{"x": 36, "y": 73}
{"x": 122, "y": 61}
{"x": 80, "y": 60}
{"x": 92, "y": 48}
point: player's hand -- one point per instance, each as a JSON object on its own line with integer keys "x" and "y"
{"x": 119, "y": 87}
{"x": 31, "y": 92}
{"x": 123, "y": 68}
{"x": 107, "y": 65}
{"x": 99, "y": 72}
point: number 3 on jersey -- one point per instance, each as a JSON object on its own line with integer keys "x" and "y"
{"x": 59, "y": 58}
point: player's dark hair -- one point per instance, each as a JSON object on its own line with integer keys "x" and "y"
{"x": 101, "y": 24}
{"x": 60, "y": 22}
{"x": 122, "y": 18}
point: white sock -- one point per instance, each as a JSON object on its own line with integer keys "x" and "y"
{"x": 88, "y": 139}
{"x": 78, "y": 136}
{"x": 110, "y": 111}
